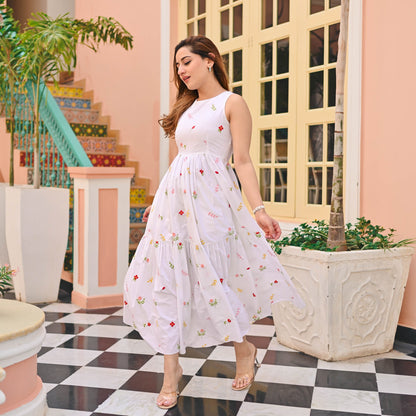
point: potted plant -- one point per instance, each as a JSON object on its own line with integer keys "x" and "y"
{"x": 351, "y": 278}
{"x": 10, "y": 52}
{"x": 6, "y": 283}
{"x": 37, "y": 217}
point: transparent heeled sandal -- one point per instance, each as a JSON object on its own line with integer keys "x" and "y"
{"x": 249, "y": 379}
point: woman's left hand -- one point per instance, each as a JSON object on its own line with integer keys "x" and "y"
{"x": 269, "y": 225}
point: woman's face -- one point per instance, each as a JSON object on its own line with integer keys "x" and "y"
{"x": 192, "y": 68}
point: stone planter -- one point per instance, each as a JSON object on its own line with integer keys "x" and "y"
{"x": 4, "y": 256}
{"x": 36, "y": 234}
{"x": 353, "y": 301}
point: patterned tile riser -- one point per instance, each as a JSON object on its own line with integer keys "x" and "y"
{"x": 137, "y": 196}
{"x": 62, "y": 91}
{"x": 75, "y": 103}
{"x": 107, "y": 160}
{"x": 96, "y": 144}
{"x": 70, "y": 240}
{"x": 135, "y": 235}
{"x": 95, "y": 130}
{"x": 81, "y": 116}
{"x": 136, "y": 215}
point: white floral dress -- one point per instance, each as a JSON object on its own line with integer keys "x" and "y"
{"x": 203, "y": 270}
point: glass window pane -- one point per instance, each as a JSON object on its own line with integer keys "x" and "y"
{"x": 334, "y": 3}
{"x": 266, "y": 59}
{"x": 191, "y": 8}
{"x": 282, "y": 11}
{"x": 226, "y": 60}
{"x": 329, "y": 178}
{"x": 265, "y": 146}
{"x": 238, "y": 90}
{"x": 265, "y": 183}
{"x": 330, "y": 151}
{"x": 315, "y": 185}
{"x": 316, "y": 140}
{"x": 225, "y": 24}
{"x": 266, "y": 13}
{"x": 201, "y": 26}
{"x": 191, "y": 29}
{"x": 280, "y": 185}
{"x": 333, "y": 43}
{"x": 281, "y": 146}
{"x": 237, "y": 65}
{"x": 317, "y": 6}
{"x": 316, "y": 89}
{"x": 331, "y": 87}
{"x": 266, "y": 98}
{"x": 238, "y": 20}
{"x": 201, "y": 6}
{"x": 282, "y": 56}
{"x": 316, "y": 47}
{"x": 282, "y": 95}
{"x": 224, "y": 2}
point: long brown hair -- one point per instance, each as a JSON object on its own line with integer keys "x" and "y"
{"x": 205, "y": 48}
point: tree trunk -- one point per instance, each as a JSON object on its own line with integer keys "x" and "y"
{"x": 36, "y": 121}
{"x": 336, "y": 234}
{"x": 12, "y": 130}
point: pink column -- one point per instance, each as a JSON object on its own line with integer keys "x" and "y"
{"x": 101, "y": 235}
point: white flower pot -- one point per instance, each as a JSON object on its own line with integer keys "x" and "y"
{"x": 36, "y": 233}
{"x": 4, "y": 256}
{"x": 353, "y": 301}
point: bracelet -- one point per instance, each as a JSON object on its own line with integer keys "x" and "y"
{"x": 258, "y": 209}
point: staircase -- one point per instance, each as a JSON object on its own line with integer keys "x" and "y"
{"x": 101, "y": 145}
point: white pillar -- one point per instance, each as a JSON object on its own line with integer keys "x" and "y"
{"x": 101, "y": 235}
{"x": 164, "y": 82}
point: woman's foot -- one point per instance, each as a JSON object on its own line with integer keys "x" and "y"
{"x": 246, "y": 354}
{"x": 168, "y": 395}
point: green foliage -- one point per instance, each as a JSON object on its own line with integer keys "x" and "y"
{"x": 42, "y": 50}
{"x": 6, "y": 282}
{"x": 363, "y": 235}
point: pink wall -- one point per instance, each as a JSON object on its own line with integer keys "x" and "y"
{"x": 388, "y": 141}
{"x": 127, "y": 82}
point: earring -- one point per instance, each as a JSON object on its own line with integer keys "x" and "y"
{"x": 209, "y": 68}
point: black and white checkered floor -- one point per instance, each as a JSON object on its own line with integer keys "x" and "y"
{"x": 92, "y": 364}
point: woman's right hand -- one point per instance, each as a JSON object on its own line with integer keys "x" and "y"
{"x": 146, "y": 214}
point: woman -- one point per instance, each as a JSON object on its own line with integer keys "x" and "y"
{"x": 203, "y": 270}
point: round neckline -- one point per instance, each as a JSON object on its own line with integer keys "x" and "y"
{"x": 207, "y": 99}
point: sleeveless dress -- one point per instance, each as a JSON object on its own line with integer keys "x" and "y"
{"x": 203, "y": 270}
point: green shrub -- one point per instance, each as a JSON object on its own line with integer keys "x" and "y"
{"x": 361, "y": 236}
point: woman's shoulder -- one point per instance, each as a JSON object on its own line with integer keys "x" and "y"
{"x": 235, "y": 104}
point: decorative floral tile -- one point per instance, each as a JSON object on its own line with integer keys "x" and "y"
{"x": 136, "y": 214}
{"x": 98, "y": 144}
{"x": 137, "y": 196}
{"x": 135, "y": 235}
{"x": 63, "y": 91}
{"x": 81, "y": 116}
{"x": 75, "y": 103}
{"x": 107, "y": 160}
{"x": 82, "y": 129}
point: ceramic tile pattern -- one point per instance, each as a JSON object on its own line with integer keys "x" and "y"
{"x": 92, "y": 364}
{"x": 78, "y": 103}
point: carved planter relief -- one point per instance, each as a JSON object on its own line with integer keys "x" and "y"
{"x": 353, "y": 301}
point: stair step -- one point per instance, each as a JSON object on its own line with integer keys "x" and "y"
{"x": 136, "y": 234}
{"x": 107, "y": 159}
{"x": 85, "y": 129}
{"x": 78, "y": 103}
{"x": 98, "y": 144}
{"x": 136, "y": 214}
{"x": 81, "y": 115}
{"x": 66, "y": 91}
{"x": 137, "y": 195}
